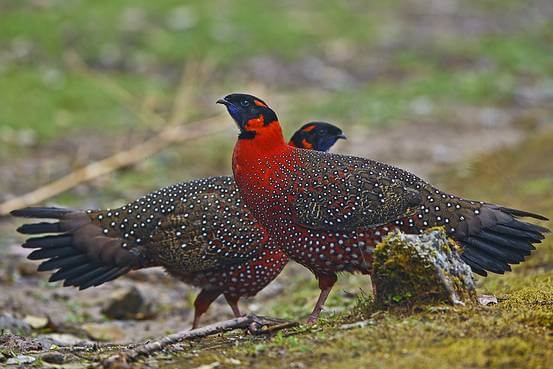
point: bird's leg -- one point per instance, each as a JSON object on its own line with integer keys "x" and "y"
{"x": 326, "y": 282}
{"x": 233, "y": 303}
{"x": 202, "y": 303}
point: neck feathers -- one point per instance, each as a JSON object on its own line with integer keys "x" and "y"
{"x": 262, "y": 138}
{"x": 264, "y": 141}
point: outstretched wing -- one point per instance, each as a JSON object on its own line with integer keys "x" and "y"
{"x": 345, "y": 193}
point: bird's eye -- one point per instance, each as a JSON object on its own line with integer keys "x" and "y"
{"x": 245, "y": 103}
{"x": 323, "y": 132}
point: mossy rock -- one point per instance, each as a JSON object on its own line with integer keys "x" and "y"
{"x": 421, "y": 269}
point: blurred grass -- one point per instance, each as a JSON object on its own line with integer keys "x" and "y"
{"x": 173, "y": 31}
{"x": 142, "y": 44}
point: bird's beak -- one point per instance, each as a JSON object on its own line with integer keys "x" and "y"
{"x": 234, "y": 112}
{"x": 342, "y": 136}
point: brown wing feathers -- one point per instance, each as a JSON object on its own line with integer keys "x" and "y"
{"x": 507, "y": 241}
{"x": 82, "y": 254}
{"x": 492, "y": 237}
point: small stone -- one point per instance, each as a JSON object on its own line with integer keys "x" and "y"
{"x": 104, "y": 332}
{"x": 297, "y": 365}
{"x": 7, "y": 322}
{"x": 20, "y": 359}
{"x": 128, "y": 303}
{"x": 213, "y": 365}
{"x": 360, "y": 324}
{"x": 53, "y": 357}
{"x": 36, "y": 322}
{"x": 63, "y": 339}
{"x": 233, "y": 361}
{"x": 487, "y": 300}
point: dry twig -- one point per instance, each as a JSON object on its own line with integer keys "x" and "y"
{"x": 168, "y": 136}
{"x": 252, "y": 322}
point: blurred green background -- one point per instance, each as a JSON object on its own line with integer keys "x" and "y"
{"x": 75, "y": 76}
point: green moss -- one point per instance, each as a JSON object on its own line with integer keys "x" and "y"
{"x": 420, "y": 269}
{"x": 533, "y": 300}
{"x": 479, "y": 353}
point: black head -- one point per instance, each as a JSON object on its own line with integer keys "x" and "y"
{"x": 249, "y": 112}
{"x": 320, "y": 136}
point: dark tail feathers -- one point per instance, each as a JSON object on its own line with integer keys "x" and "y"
{"x": 499, "y": 239}
{"x": 82, "y": 255}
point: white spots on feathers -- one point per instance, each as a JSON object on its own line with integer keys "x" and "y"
{"x": 202, "y": 221}
{"x": 329, "y": 211}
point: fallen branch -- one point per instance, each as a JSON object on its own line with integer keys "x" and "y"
{"x": 251, "y": 322}
{"x": 168, "y": 136}
{"x": 257, "y": 330}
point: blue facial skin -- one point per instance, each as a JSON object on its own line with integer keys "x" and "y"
{"x": 325, "y": 143}
{"x": 234, "y": 113}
